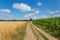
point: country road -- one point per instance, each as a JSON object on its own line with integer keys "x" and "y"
{"x": 29, "y": 33}
{"x": 33, "y": 33}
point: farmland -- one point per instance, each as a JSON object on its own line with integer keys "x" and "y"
{"x": 12, "y": 30}
{"x": 49, "y": 25}
{"x": 23, "y": 30}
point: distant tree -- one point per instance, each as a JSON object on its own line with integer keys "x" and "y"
{"x": 30, "y": 19}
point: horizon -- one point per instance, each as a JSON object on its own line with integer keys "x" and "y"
{"x": 26, "y": 9}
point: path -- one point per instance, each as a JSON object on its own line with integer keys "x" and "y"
{"x": 44, "y": 33}
{"x": 29, "y": 33}
{"x": 37, "y": 34}
{"x": 31, "y": 29}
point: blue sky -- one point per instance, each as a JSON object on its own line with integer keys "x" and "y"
{"x": 26, "y": 9}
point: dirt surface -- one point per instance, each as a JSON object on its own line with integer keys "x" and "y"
{"x": 37, "y": 36}
{"x": 44, "y": 33}
{"x": 29, "y": 33}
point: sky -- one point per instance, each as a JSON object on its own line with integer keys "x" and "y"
{"x": 26, "y": 9}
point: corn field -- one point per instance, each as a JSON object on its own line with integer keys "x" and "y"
{"x": 50, "y": 25}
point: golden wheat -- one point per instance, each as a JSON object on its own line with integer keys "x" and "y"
{"x": 9, "y": 29}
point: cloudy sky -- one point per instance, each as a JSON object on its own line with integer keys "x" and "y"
{"x": 26, "y": 9}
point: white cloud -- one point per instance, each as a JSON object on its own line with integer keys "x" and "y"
{"x": 32, "y": 15}
{"x": 35, "y": 17}
{"x": 28, "y": 15}
{"x": 7, "y": 16}
{"x": 52, "y": 12}
{"x": 5, "y": 10}
{"x": 58, "y": 15}
{"x": 39, "y": 3}
{"x": 22, "y": 7}
{"x": 1, "y": 17}
{"x": 33, "y": 9}
{"x": 56, "y": 11}
{"x": 37, "y": 12}
{"x": 10, "y": 16}
{"x": 43, "y": 16}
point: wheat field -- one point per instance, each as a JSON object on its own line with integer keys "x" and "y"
{"x": 12, "y": 30}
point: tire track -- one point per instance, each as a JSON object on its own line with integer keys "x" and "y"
{"x": 37, "y": 34}
{"x": 29, "y": 34}
{"x": 44, "y": 33}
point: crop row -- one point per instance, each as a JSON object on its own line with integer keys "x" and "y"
{"x": 50, "y": 25}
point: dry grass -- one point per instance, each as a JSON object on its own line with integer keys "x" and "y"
{"x": 10, "y": 30}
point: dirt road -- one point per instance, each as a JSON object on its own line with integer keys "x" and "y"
{"x": 29, "y": 33}
{"x": 33, "y": 34}
{"x": 44, "y": 33}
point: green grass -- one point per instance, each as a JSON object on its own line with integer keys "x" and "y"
{"x": 20, "y": 34}
{"x": 38, "y": 32}
{"x": 42, "y": 35}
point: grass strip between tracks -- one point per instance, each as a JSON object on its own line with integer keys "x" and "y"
{"x": 39, "y": 32}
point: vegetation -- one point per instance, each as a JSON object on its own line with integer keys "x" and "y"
{"x": 50, "y": 25}
{"x": 38, "y": 32}
{"x": 12, "y": 30}
{"x": 14, "y": 20}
